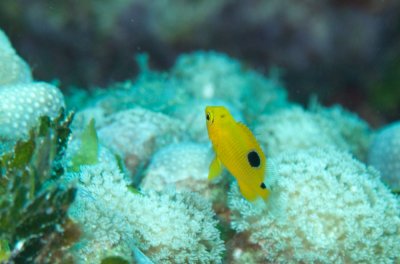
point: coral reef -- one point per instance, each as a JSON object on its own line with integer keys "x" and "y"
{"x": 156, "y": 91}
{"x": 212, "y": 75}
{"x": 325, "y": 207}
{"x": 355, "y": 132}
{"x": 22, "y": 100}
{"x": 135, "y": 134}
{"x": 150, "y": 133}
{"x": 166, "y": 227}
{"x": 289, "y": 129}
{"x": 197, "y": 77}
{"x": 294, "y": 128}
{"x": 183, "y": 166}
{"x": 23, "y": 104}
{"x": 384, "y": 155}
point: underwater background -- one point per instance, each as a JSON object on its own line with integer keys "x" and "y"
{"x": 105, "y": 152}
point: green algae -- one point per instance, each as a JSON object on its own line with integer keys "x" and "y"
{"x": 89, "y": 149}
{"x": 33, "y": 206}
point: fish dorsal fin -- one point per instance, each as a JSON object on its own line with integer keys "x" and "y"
{"x": 250, "y": 135}
{"x": 245, "y": 128}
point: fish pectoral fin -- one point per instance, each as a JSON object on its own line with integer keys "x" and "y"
{"x": 215, "y": 169}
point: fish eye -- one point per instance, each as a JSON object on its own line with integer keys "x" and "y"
{"x": 208, "y": 116}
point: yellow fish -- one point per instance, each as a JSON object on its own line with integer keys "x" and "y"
{"x": 238, "y": 150}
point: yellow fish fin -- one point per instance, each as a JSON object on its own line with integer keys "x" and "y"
{"x": 264, "y": 194}
{"x": 247, "y": 192}
{"x": 215, "y": 169}
{"x": 251, "y": 194}
{"x": 248, "y": 132}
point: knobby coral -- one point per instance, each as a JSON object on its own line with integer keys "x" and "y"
{"x": 13, "y": 69}
{"x": 23, "y": 104}
{"x": 384, "y": 154}
{"x": 183, "y": 166}
{"x": 325, "y": 207}
{"x": 135, "y": 134}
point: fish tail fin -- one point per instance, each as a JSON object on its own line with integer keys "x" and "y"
{"x": 264, "y": 194}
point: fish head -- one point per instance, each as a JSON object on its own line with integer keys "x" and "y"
{"x": 217, "y": 116}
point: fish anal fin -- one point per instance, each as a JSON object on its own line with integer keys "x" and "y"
{"x": 215, "y": 169}
{"x": 247, "y": 192}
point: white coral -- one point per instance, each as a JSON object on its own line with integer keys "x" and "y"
{"x": 22, "y": 104}
{"x": 295, "y": 128}
{"x": 137, "y": 133}
{"x": 168, "y": 227}
{"x": 183, "y": 166}
{"x": 345, "y": 126}
{"x": 13, "y": 69}
{"x": 384, "y": 154}
{"x": 212, "y": 75}
{"x": 325, "y": 207}
{"x": 290, "y": 129}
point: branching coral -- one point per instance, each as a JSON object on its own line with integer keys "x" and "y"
{"x": 384, "y": 154}
{"x": 325, "y": 207}
{"x": 13, "y": 69}
{"x": 22, "y": 105}
{"x": 168, "y": 227}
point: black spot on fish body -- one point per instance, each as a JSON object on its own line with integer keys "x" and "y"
{"x": 254, "y": 159}
{"x": 263, "y": 186}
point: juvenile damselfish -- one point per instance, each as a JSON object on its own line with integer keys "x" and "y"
{"x": 237, "y": 149}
